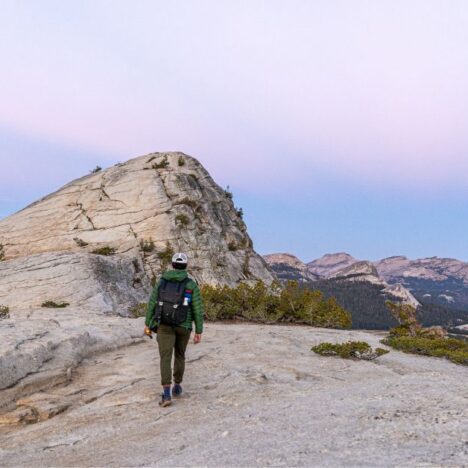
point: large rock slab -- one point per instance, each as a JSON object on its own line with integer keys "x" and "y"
{"x": 255, "y": 395}
{"x": 103, "y": 284}
{"x": 39, "y": 347}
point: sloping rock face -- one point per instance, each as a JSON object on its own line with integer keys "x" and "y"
{"x": 363, "y": 271}
{"x": 105, "y": 284}
{"x": 145, "y": 209}
{"x": 289, "y": 267}
{"x": 38, "y": 345}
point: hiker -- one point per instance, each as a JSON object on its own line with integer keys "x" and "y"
{"x": 174, "y": 304}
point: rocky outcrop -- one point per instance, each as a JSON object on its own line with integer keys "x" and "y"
{"x": 364, "y": 271}
{"x": 105, "y": 284}
{"x": 359, "y": 271}
{"x": 330, "y": 264}
{"x": 433, "y": 268}
{"x": 442, "y": 281}
{"x": 289, "y": 267}
{"x": 143, "y": 209}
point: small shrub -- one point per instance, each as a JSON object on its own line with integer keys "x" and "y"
{"x": 381, "y": 351}
{"x": 147, "y": 245}
{"x": 54, "y": 305}
{"x": 96, "y": 170}
{"x": 245, "y": 266}
{"x": 240, "y": 213}
{"x": 228, "y": 193}
{"x": 138, "y": 310}
{"x": 187, "y": 201}
{"x": 232, "y": 246}
{"x": 152, "y": 158}
{"x": 80, "y": 242}
{"x": 182, "y": 219}
{"x": 405, "y": 314}
{"x": 104, "y": 251}
{"x": 181, "y": 161}
{"x": 450, "y": 348}
{"x": 411, "y": 337}
{"x": 349, "y": 350}
{"x": 4, "y": 312}
{"x": 2, "y": 253}
{"x": 166, "y": 255}
{"x": 161, "y": 164}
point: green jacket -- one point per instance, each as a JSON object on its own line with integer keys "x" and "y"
{"x": 195, "y": 313}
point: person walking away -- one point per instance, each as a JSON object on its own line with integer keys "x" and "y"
{"x": 174, "y": 305}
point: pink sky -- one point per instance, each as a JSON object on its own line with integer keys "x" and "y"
{"x": 364, "y": 89}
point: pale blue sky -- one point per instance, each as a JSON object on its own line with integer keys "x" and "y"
{"x": 340, "y": 125}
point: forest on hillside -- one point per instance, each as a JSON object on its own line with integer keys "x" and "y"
{"x": 366, "y": 303}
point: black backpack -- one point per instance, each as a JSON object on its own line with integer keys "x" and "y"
{"x": 170, "y": 308}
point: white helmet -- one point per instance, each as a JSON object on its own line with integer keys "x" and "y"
{"x": 179, "y": 260}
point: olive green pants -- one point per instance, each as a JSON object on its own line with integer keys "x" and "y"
{"x": 172, "y": 340}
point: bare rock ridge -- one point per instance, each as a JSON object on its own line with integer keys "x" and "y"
{"x": 330, "y": 263}
{"x": 143, "y": 209}
{"x": 340, "y": 266}
{"x": 287, "y": 266}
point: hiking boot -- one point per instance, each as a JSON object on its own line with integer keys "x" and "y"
{"x": 176, "y": 390}
{"x": 165, "y": 400}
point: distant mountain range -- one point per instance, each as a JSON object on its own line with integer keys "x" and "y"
{"x": 438, "y": 287}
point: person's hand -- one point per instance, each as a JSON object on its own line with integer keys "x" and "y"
{"x": 197, "y": 338}
{"x": 148, "y": 332}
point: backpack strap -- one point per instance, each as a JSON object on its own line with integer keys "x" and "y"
{"x": 162, "y": 285}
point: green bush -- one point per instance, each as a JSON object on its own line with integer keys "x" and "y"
{"x": 181, "y": 161}
{"x": 182, "y": 219}
{"x": 411, "y": 337}
{"x": 104, "y": 251}
{"x": 187, "y": 201}
{"x": 450, "y": 348}
{"x": 138, "y": 310}
{"x": 4, "y": 312}
{"x": 166, "y": 255}
{"x": 349, "y": 350}
{"x": 55, "y": 305}
{"x": 2, "y": 253}
{"x": 228, "y": 193}
{"x": 260, "y": 303}
{"x": 161, "y": 164}
{"x": 147, "y": 245}
{"x": 245, "y": 266}
{"x": 232, "y": 246}
{"x": 96, "y": 169}
{"x": 240, "y": 213}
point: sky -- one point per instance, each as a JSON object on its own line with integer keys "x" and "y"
{"x": 338, "y": 125}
